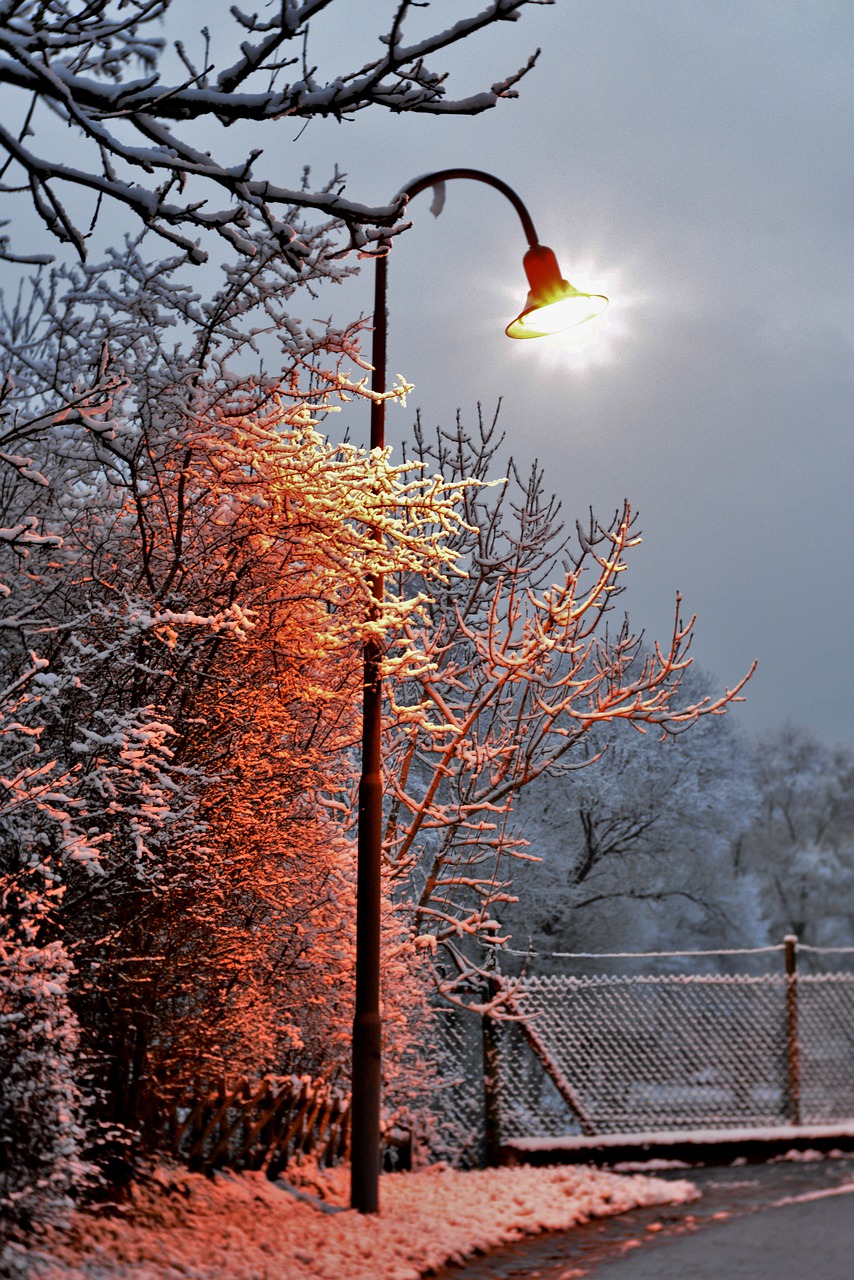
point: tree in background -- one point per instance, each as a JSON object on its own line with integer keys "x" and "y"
{"x": 636, "y": 851}
{"x": 711, "y": 840}
{"x": 799, "y": 846}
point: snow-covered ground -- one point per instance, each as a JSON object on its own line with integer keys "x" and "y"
{"x": 242, "y": 1227}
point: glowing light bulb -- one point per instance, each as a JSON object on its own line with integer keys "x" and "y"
{"x": 553, "y": 317}
{"x": 553, "y": 304}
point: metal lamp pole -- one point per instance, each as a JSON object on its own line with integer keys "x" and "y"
{"x": 553, "y": 304}
{"x": 367, "y": 1026}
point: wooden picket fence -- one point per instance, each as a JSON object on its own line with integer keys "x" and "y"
{"x": 260, "y": 1125}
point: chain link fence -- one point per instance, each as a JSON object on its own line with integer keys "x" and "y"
{"x": 459, "y": 1120}
{"x": 625, "y": 1052}
{"x": 826, "y": 1039}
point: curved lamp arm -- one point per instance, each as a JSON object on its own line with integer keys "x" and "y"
{"x": 477, "y": 175}
{"x": 552, "y": 305}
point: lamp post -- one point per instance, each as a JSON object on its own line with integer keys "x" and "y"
{"x": 552, "y": 305}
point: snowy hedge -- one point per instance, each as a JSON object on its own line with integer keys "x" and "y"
{"x": 40, "y": 1104}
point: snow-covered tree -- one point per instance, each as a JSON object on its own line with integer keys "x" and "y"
{"x": 194, "y": 593}
{"x": 636, "y": 850}
{"x": 186, "y": 560}
{"x": 800, "y": 844}
{"x": 529, "y": 676}
{"x": 185, "y": 566}
{"x": 144, "y": 117}
{"x": 41, "y": 1137}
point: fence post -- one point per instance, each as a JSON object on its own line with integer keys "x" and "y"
{"x": 491, "y": 1110}
{"x": 793, "y": 1055}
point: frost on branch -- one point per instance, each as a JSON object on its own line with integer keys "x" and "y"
{"x": 98, "y": 69}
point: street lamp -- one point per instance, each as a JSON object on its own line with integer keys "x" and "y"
{"x": 552, "y": 305}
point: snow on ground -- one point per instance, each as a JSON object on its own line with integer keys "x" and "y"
{"x": 242, "y": 1227}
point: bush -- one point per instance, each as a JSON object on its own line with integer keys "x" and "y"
{"x": 41, "y": 1133}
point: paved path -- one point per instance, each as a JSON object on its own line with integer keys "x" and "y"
{"x": 811, "y": 1240}
{"x": 734, "y": 1225}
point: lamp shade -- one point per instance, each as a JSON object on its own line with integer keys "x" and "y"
{"x": 553, "y": 304}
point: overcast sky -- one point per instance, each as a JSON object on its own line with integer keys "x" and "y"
{"x": 694, "y": 160}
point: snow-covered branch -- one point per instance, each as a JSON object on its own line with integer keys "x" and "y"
{"x": 134, "y": 132}
{"x": 523, "y": 665}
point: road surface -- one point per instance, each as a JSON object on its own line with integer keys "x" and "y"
{"x": 786, "y": 1220}
{"x": 807, "y": 1240}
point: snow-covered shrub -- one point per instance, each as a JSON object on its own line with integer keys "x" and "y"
{"x": 41, "y": 1108}
{"x": 41, "y": 1133}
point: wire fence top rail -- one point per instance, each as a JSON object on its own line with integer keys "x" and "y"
{"x": 646, "y": 955}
